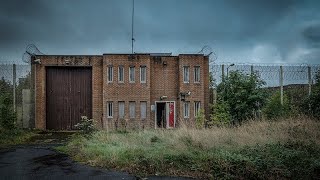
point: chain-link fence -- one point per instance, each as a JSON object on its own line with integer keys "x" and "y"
{"x": 292, "y": 81}
{"x": 15, "y": 86}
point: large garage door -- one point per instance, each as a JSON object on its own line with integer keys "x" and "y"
{"x": 68, "y": 95}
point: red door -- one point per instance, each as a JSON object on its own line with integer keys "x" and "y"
{"x": 171, "y": 115}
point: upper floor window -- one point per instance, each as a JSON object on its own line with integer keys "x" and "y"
{"x": 186, "y": 109}
{"x": 110, "y": 109}
{"x": 143, "y": 74}
{"x": 197, "y": 74}
{"x": 131, "y": 74}
{"x": 186, "y": 74}
{"x": 196, "y": 108}
{"x": 110, "y": 73}
{"x": 120, "y": 74}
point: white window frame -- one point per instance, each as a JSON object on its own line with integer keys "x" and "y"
{"x": 133, "y": 75}
{"x": 110, "y": 113}
{"x": 119, "y": 109}
{"x": 197, "y": 107}
{"x": 119, "y": 80}
{"x": 132, "y": 116}
{"x": 143, "y": 74}
{"x": 110, "y": 76}
{"x": 197, "y": 74}
{"x": 186, "y": 74}
{"x": 143, "y": 105}
{"x": 186, "y": 109}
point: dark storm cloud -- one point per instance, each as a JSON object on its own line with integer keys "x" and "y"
{"x": 267, "y": 30}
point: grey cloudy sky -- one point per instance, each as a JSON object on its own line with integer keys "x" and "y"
{"x": 256, "y": 31}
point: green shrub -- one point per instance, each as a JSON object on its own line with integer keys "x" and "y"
{"x": 220, "y": 115}
{"x": 311, "y": 105}
{"x": 86, "y": 125}
{"x": 274, "y": 109}
{"x": 200, "y": 119}
{"x": 7, "y": 115}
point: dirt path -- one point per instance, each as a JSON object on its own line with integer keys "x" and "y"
{"x": 38, "y": 160}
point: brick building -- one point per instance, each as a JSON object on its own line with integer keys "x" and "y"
{"x": 138, "y": 91}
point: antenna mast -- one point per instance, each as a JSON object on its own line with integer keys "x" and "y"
{"x": 132, "y": 39}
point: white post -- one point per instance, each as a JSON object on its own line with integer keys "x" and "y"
{"x": 281, "y": 85}
{"x": 14, "y": 86}
{"x": 309, "y": 80}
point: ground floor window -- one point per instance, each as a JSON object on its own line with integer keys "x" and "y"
{"x": 132, "y": 109}
{"x": 186, "y": 109}
{"x": 110, "y": 110}
{"x": 143, "y": 109}
{"x": 196, "y": 107}
{"x": 121, "y": 109}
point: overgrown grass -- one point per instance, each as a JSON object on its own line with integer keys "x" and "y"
{"x": 286, "y": 148}
{"x": 15, "y": 137}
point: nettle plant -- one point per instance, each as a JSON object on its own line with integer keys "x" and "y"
{"x": 86, "y": 125}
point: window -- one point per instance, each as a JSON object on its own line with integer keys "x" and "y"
{"x": 143, "y": 73}
{"x": 132, "y": 109}
{"x": 121, "y": 109}
{"x": 143, "y": 109}
{"x": 110, "y": 74}
{"x": 197, "y": 74}
{"x": 131, "y": 74}
{"x": 120, "y": 74}
{"x": 196, "y": 108}
{"x": 110, "y": 110}
{"x": 186, "y": 74}
{"x": 186, "y": 109}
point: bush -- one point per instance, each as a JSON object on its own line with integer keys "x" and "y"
{"x": 243, "y": 94}
{"x": 274, "y": 109}
{"x": 200, "y": 119}
{"x": 7, "y": 114}
{"x": 311, "y": 105}
{"x": 86, "y": 125}
{"x": 220, "y": 115}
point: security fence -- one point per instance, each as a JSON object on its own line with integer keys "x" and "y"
{"x": 292, "y": 81}
{"x": 15, "y": 86}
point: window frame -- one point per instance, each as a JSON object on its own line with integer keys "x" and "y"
{"x": 132, "y": 81}
{"x": 186, "y": 74}
{"x": 134, "y": 109}
{"x": 145, "y": 110}
{"x": 124, "y": 110}
{"x": 119, "y": 80}
{"x": 186, "y": 115}
{"x": 197, "y": 73}
{"x": 196, "y": 108}
{"x": 143, "y": 74}
{"x": 110, "y": 78}
{"x": 108, "y": 109}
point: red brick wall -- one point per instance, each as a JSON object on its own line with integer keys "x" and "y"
{"x": 161, "y": 80}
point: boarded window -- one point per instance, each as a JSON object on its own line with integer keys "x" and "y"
{"x": 120, "y": 74}
{"x": 186, "y": 109}
{"x": 110, "y": 110}
{"x": 143, "y": 74}
{"x": 143, "y": 109}
{"x": 110, "y": 74}
{"x": 197, "y": 74}
{"x": 132, "y": 109}
{"x": 121, "y": 109}
{"x": 131, "y": 75}
{"x": 186, "y": 74}
{"x": 196, "y": 107}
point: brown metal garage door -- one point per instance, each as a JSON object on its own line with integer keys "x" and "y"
{"x": 68, "y": 96}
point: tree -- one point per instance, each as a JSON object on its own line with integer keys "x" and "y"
{"x": 311, "y": 104}
{"x": 7, "y": 115}
{"x": 274, "y": 109}
{"x": 242, "y": 94}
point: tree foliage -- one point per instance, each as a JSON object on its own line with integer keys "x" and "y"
{"x": 242, "y": 94}
{"x": 311, "y": 105}
{"x": 274, "y": 109}
{"x": 7, "y": 114}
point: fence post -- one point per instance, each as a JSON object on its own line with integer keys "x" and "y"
{"x": 251, "y": 69}
{"x": 281, "y": 85}
{"x": 14, "y": 74}
{"x": 222, "y": 72}
{"x": 309, "y": 80}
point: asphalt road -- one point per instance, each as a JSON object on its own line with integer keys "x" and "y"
{"x": 40, "y": 161}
